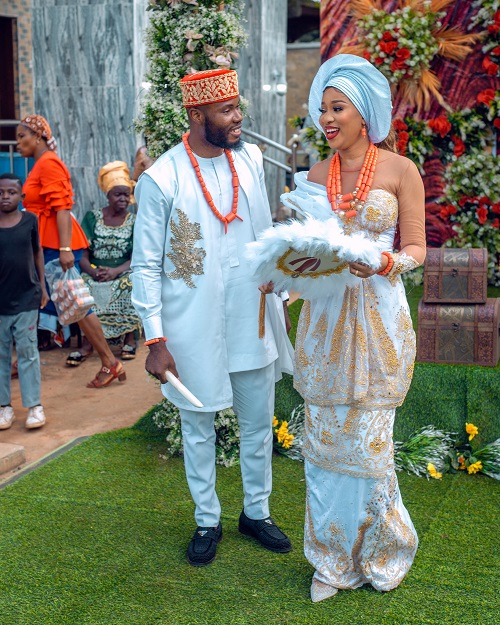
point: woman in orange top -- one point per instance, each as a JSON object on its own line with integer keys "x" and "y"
{"x": 48, "y": 193}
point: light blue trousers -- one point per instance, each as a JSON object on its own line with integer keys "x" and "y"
{"x": 23, "y": 329}
{"x": 253, "y": 403}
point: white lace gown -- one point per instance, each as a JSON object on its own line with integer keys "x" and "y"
{"x": 354, "y": 363}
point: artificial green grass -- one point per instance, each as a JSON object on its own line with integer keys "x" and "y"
{"x": 98, "y": 536}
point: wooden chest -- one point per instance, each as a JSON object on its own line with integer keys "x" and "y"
{"x": 455, "y": 334}
{"x": 455, "y": 276}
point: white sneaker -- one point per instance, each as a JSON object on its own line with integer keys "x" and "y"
{"x": 36, "y": 418}
{"x": 6, "y": 417}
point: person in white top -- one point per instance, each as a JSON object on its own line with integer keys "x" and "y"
{"x": 199, "y": 204}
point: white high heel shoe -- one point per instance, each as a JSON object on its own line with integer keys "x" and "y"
{"x": 321, "y": 591}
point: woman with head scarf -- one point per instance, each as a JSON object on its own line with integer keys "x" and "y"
{"x": 48, "y": 193}
{"x": 106, "y": 262}
{"x": 355, "y": 350}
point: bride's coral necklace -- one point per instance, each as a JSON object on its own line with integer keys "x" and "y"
{"x": 350, "y": 203}
{"x": 232, "y": 215}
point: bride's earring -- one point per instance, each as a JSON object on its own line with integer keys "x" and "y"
{"x": 363, "y": 131}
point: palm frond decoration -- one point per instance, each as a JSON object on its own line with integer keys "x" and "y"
{"x": 403, "y": 43}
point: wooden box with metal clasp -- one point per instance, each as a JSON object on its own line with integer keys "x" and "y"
{"x": 459, "y": 334}
{"x": 455, "y": 276}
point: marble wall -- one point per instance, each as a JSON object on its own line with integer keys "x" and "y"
{"x": 88, "y": 67}
{"x": 259, "y": 64}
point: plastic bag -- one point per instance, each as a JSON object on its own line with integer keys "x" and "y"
{"x": 68, "y": 291}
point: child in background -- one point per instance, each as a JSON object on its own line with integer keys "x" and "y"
{"x": 22, "y": 288}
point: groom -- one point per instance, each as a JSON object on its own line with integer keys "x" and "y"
{"x": 199, "y": 204}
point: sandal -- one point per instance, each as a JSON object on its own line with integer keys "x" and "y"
{"x": 116, "y": 371}
{"x": 14, "y": 373}
{"x": 76, "y": 358}
{"x": 128, "y": 352}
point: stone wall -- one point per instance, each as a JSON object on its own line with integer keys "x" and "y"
{"x": 87, "y": 71}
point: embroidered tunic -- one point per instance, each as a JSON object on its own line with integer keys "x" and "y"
{"x": 191, "y": 282}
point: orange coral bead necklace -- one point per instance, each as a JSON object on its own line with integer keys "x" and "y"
{"x": 348, "y": 204}
{"x": 235, "y": 183}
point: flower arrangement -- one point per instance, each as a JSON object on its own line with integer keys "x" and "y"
{"x": 471, "y": 203}
{"x": 427, "y": 447}
{"x": 227, "y": 449}
{"x": 488, "y": 17}
{"x": 289, "y": 435}
{"x": 183, "y": 36}
{"x": 404, "y": 42}
{"x": 485, "y": 460}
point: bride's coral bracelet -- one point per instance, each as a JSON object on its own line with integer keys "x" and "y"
{"x": 390, "y": 264}
{"x": 159, "y": 340}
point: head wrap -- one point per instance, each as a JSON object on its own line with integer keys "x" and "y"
{"x": 114, "y": 174}
{"x": 40, "y": 126}
{"x": 214, "y": 85}
{"x": 365, "y": 86}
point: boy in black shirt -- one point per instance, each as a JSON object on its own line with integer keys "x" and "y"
{"x": 22, "y": 291}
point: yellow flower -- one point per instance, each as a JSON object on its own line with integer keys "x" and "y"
{"x": 275, "y": 422}
{"x": 432, "y": 471}
{"x": 474, "y": 468}
{"x": 471, "y": 430}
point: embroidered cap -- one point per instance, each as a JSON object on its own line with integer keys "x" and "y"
{"x": 214, "y": 85}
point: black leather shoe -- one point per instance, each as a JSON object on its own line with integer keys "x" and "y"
{"x": 203, "y": 545}
{"x": 266, "y": 532}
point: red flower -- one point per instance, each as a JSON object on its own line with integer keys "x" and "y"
{"x": 441, "y": 125}
{"x": 463, "y": 201}
{"x": 379, "y": 60}
{"x": 493, "y": 28}
{"x": 496, "y": 51}
{"x": 459, "y": 146}
{"x": 443, "y": 213}
{"x": 496, "y": 17}
{"x": 452, "y": 209}
{"x": 482, "y": 214}
{"x": 484, "y": 200}
{"x": 403, "y": 53}
{"x": 387, "y": 36}
{"x": 496, "y": 207}
{"x": 395, "y": 65}
{"x": 490, "y": 67}
{"x": 485, "y": 97}
{"x": 366, "y": 55}
{"x": 496, "y": 222}
{"x": 388, "y": 46}
{"x": 496, "y": 122}
{"x": 399, "y": 125}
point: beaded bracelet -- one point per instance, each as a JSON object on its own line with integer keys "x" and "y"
{"x": 390, "y": 264}
{"x": 158, "y": 340}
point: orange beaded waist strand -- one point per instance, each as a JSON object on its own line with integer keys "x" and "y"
{"x": 350, "y": 203}
{"x": 235, "y": 183}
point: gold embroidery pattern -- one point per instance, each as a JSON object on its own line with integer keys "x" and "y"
{"x": 187, "y": 258}
{"x": 402, "y": 264}
{"x": 359, "y": 358}
{"x": 349, "y": 441}
{"x": 350, "y": 549}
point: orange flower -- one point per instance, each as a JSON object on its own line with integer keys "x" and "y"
{"x": 486, "y": 97}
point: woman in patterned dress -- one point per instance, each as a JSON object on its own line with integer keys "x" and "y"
{"x": 106, "y": 263}
{"x": 355, "y": 350}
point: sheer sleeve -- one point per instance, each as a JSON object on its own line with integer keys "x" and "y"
{"x": 411, "y": 202}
